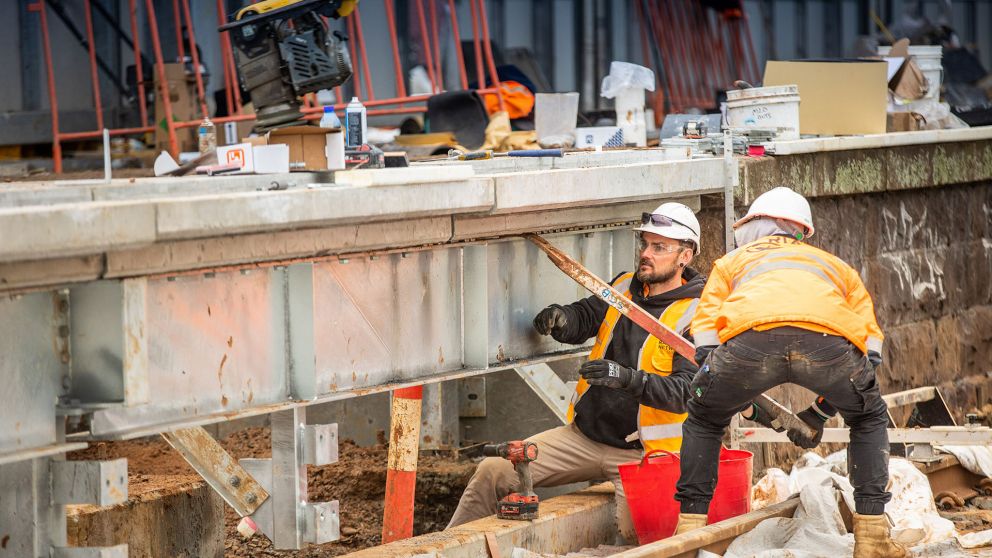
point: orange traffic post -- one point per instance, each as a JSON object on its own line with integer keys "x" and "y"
{"x": 401, "y": 472}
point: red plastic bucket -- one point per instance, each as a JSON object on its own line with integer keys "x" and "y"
{"x": 650, "y": 488}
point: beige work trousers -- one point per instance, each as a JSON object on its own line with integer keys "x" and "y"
{"x": 564, "y": 456}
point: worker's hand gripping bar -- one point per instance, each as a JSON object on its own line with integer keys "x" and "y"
{"x": 781, "y": 416}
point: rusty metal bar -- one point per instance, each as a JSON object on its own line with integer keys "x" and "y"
{"x": 163, "y": 84}
{"x": 94, "y": 76}
{"x": 204, "y": 454}
{"x": 53, "y": 100}
{"x": 196, "y": 60}
{"x": 138, "y": 69}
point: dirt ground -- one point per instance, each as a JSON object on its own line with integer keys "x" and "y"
{"x": 357, "y": 481}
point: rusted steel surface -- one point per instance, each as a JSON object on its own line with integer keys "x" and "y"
{"x": 239, "y": 489}
{"x": 950, "y": 482}
{"x": 641, "y": 317}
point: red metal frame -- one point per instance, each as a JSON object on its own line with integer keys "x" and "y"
{"x": 701, "y": 50}
{"x": 181, "y": 14}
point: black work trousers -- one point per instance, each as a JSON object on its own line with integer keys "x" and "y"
{"x": 755, "y": 361}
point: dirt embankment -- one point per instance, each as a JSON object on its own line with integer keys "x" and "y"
{"x": 357, "y": 481}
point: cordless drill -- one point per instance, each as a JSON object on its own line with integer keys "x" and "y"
{"x": 523, "y": 504}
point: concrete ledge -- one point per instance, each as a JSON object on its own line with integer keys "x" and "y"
{"x": 296, "y": 209}
{"x": 544, "y": 190}
{"x": 73, "y": 229}
{"x": 566, "y": 524}
{"x": 872, "y": 141}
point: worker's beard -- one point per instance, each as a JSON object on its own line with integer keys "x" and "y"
{"x": 653, "y": 275}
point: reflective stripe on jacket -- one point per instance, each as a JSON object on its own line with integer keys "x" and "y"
{"x": 656, "y": 429}
{"x": 777, "y": 280}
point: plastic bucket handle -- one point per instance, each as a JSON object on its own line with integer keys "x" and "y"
{"x": 652, "y": 453}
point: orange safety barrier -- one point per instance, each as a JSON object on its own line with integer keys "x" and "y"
{"x": 431, "y": 42}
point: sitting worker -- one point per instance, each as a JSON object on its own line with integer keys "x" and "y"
{"x": 631, "y": 397}
{"x": 778, "y": 310}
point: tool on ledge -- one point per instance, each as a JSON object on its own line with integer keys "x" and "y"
{"x": 781, "y": 416}
{"x": 517, "y": 505}
{"x": 489, "y": 154}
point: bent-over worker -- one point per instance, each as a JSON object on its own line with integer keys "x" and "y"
{"x": 778, "y": 310}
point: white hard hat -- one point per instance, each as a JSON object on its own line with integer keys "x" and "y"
{"x": 781, "y": 203}
{"x": 672, "y": 220}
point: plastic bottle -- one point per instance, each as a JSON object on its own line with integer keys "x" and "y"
{"x": 330, "y": 119}
{"x": 355, "y": 123}
{"x": 207, "y": 134}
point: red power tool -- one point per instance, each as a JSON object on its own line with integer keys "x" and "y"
{"x": 523, "y": 504}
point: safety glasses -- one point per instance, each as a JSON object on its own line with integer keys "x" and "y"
{"x": 662, "y": 221}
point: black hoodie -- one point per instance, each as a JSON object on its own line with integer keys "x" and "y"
{"x": 609, "y": 415}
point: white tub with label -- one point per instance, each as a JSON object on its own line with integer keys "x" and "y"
{"x": 765, "y": 107}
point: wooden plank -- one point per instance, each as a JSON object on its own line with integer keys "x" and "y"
{"x": 713, "y": 538}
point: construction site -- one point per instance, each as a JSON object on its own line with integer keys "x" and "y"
{"x": 496, "y": 278}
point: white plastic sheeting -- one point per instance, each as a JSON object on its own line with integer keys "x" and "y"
{"x": 912, "y": 511}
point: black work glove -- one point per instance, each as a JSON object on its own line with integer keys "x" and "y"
{"x": 703, "y": 352}
{"x": 815, "y": 416}
{"x": 551, "y": 319}
{"x": 607, "y": 373}
{"x": 758, "y": 415}
{"x": 875, "y": 359}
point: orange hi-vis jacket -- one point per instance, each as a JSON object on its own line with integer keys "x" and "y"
{"x": 780, "y": 281}
{"x": 657, "y": 429}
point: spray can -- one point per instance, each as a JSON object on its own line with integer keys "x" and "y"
{"x": 207, "y": 134}
{"x": 355, "y": 123}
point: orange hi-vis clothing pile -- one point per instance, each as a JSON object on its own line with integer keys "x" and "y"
{"x": 780, "y": 281}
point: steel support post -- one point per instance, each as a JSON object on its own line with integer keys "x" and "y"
{"x": 287, "y": 517}
{"x": 401, "y": 472}
{"x": 439, "y": 421}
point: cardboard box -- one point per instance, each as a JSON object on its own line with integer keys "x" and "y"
{"x": 907, "y": 81}
{"x": 308, "y": 146}
{"x": 238, "y": 154}
{"x": 599, "y": 136}
{"x": 904, "y": 122}
{"x": 837, "y": 97}
{"x": 182, "y": 96}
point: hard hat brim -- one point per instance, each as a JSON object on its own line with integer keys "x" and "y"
{"x": 674, "y": 232}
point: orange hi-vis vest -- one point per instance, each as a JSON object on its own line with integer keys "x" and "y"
{"x": 656, "y": 429}
{"x": 780, "y": 281}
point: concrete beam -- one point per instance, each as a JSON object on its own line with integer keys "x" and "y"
{"x": 566, "y": 524}
{"x": 544, "y": 190}
{"x": 331, "y": 205}
{"x": 73, "y": 229}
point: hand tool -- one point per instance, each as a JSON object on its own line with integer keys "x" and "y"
{"x": 489, "y": 154}
{"x": 781, "y": 416}
{"x": 517, "y": 505}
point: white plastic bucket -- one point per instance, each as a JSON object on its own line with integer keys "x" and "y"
{"x": 629, "y": 104}
{"x": 765, "y": 107}
{"x": 928, "y": 59}
{"x": 554, "y": 118}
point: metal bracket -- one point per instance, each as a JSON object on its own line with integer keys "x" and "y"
{"x": 472, "y": 397}
{"x": 548, "y": 386}
{"x": 101, "y": 483}
{"x": 948, "y": 435}
{"x": 238, "y": 488}
{"x": 287, "y": 517}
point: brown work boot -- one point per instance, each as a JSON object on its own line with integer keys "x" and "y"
{"x": 872, "y": 538}
{"x": 689, "y": 521}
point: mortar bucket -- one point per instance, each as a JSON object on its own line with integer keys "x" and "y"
{"x": 649, "y": 485}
